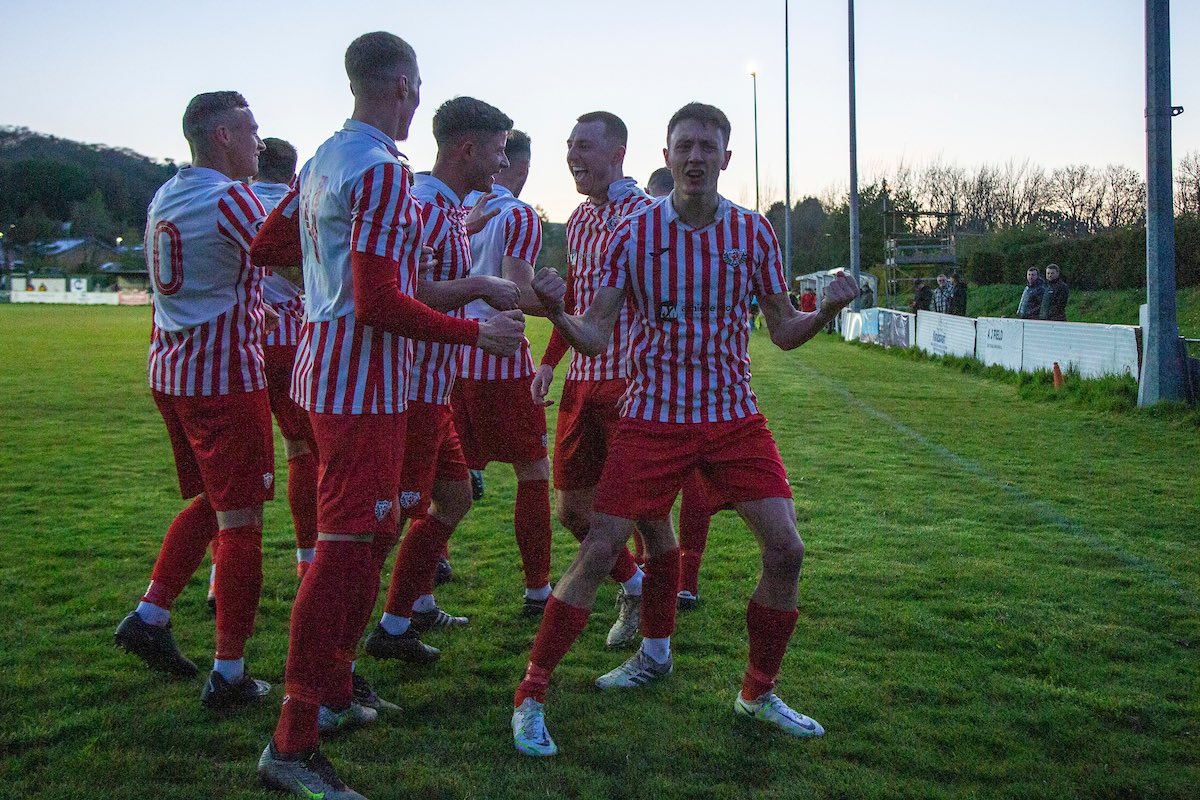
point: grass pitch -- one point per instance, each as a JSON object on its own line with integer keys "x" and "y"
{"x": 1001, "y": 599}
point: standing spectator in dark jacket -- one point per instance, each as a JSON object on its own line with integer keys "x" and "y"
{"x": 1031, "y": 298}
{"x": 941, "y": 296}
{"x": 922, "y": 296}
{"x": 866, "y": 297}
{"x": 958, "y": 295}
{"x": 1054, "y": 298}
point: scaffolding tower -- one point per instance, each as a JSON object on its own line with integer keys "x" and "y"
{"x": 917, "y": 245}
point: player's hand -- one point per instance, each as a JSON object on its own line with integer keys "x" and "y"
{"x": 840, "y": 293}
{"x": 541, "y": 385}
{"x": 480, "y": 214}
{"x": 270, "y": 319}
{"x": 503, "y": 334}
{"x": 427, "y": 264}
{"x": 501, "y": 294}
{"x": 550, "y": 288}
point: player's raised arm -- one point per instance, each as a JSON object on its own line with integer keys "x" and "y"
{"x": 590, "y": 333}
{"x": 790, "y": 328}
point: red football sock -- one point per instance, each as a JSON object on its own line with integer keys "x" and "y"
{"x": 624, "y": 569}
{"x": 358, "y": 614}
{"x": 416, "y": 564}
{"x": 658, "y": 595}
{"x": 561, "y": 625}
{"x": 296, "y": 731}
{"x": 302, "y": 497}
{"x": 694, "y": 520}
{"x": 531, "y": 520}
{"x": 182, "y": 552}
{"x": 770, "y": 630}
{"x": 239, "y": 584}
{"x": 318, "y": 670}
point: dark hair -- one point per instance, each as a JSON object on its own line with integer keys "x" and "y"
{"x": 614, "y": 127}
{"x": 204, "y": 113}
{"x": 660, "y": 177}
{"x": 466, "y": 115}
{"x": 1054, "y": 267}
{"x": 376, "y": 56}
{"x": 519, "y": 145}
{"x": 277, "y": 163}
{"x": 704, "y": 114}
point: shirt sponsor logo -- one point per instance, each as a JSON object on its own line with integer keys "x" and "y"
{"x": 382, "y": 509}
{"x": 667, "y": 311}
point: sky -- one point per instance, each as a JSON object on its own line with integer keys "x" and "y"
{"x": 966, "y": 81}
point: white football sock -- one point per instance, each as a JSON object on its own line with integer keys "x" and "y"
{"x": 633, "y": 586}
{"x": 394, "y": 625}
{"x": 155, "y": 615}
{"x": 212, "y": 577}
{"x": 231, "y": 669}
{"x": 306, "y": 554}
{"x": 425, "y": 603}
{"x": 658, "y": 649}
{"x": 539, "y": 594}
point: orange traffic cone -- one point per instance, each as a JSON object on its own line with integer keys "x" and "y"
{"x": 1058, "y": 379}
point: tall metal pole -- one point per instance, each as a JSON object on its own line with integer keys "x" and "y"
{"x": 855, "y": 254}
{"x": 787, "y": 158}
{"x": 757, "y": 196}
{"x": 1162, "y": 356}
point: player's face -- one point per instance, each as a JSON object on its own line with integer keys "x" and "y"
{"x": 244, "y": 144}
{"x": 409, "y": 103}
{"x": 696, "y": 154}
{"x": 594, "y": 159}
{"x": 488, "y": 159}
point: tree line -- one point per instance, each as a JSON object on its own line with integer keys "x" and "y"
{"x": 1008, "y": 217}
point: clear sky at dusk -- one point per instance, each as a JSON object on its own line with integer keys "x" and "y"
{"x": 1055, "y": 81}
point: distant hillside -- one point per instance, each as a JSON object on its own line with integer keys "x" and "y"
{"x": 102, "y": 190}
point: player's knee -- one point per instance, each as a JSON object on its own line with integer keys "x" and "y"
{"x": 451, "y": 502}
{"x": 785, "y": 556}
{"x": 599, "y": 553}
{"x": 573, "y": 518}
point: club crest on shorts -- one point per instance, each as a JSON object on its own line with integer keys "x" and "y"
{"x": 734, "y": 258}
{"x": 409, "y": 499}
{"x": 268, "y": 479}
{"x": 382, "y": 507}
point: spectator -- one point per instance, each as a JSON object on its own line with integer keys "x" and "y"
{"x": 866, "y": 298}
{"x": 808, "y": 299}
{"x": 958, "y": 295}
{"x": 922, "y": 296}
{"x": 941, "y": 295}
{"x": 1031, "y": 299}
{"x": 1054, "y": 297}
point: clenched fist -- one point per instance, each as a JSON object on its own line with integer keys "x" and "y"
{"x": 503, "y": 334}
{"x": 501, "y": 294}
{"x": 550, "y": 288}
{"x": 838, "y": 294}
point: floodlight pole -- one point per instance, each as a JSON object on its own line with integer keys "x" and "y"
{"x": 787, "y": 159}
{"x": 855, "y": 254}
{"x": 757, "y": 195}
{"x": 1162, "y": 354}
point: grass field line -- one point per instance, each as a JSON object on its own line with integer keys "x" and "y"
{"x": 1046, "y": 510}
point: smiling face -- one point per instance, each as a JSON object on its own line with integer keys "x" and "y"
{"x": 594, "y": 159}
{"x": 409, "y": 91}
{"x": 487, "y": 159}
{"x": 242, "y": 142}
{"x": 696, "y": 155}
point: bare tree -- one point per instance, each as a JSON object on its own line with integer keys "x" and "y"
{"x": 1187, "y": 184}
{"x": 1124, "y": 197}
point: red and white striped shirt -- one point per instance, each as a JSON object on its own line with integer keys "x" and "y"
{"x": 435, "y": 363}
{"x": 588, "y": 231}
{"x": 278, "y": 292}
{"x": 691, "y": 289}
{"x": 353, "y": 195}
{"x": 208, "y": 316}
{"x": 517, "y": 232}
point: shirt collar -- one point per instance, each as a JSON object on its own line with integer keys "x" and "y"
{"x": 501, "y": 191}
{"x": 192, "y": 173}
{"x": 423, "y": 179}
{"x": 354, "y": 126}
{"x": 621, "y": 188}
{"x": 671, "y": 215}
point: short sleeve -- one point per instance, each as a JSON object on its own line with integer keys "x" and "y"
{"x": 615, "y": 264}
{"x": 385, "y": 220}
{"x": 241, "y": 215}
{"x": 523, "y": 234}
{"x": 768, "y": 274}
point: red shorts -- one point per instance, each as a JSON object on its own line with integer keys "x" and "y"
{"x": 498, "y": 421}
{"x": 359, "y": 458}
{"x": 223, "y": 447}
{"x": 292, "y": 419}
{"x": 648, "y": 462}
{"x": 432, "y": 454}
{"x": 587, "y": 422}
{"x": 700, "y": 489}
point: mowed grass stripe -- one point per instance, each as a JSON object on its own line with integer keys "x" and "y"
{"x": 953, "y": 640}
